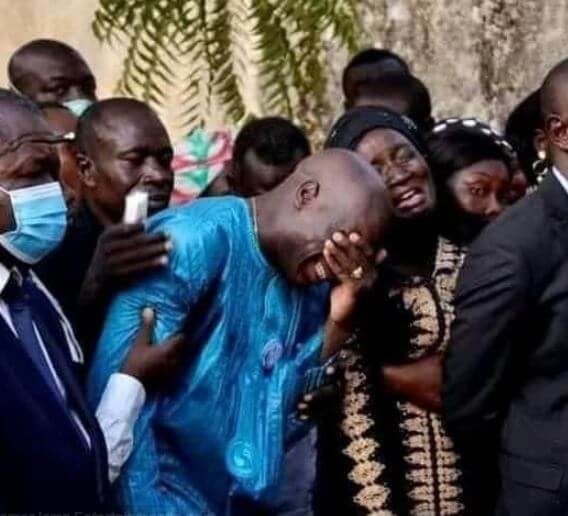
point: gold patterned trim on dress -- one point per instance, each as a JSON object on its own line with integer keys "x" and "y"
{"x": 431, "y": 306}
{"x": 373, "y": 495}
{"x": 433, "y": 474}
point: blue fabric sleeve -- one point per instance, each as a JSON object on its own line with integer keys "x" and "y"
{"x": 195, "y": 262}
{"x": 310, "y": 375}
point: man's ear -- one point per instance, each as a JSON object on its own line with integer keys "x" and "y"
{"x": 306, "y": 193}
{"x": 556, "y": 131}
{"x": 87, "y": 170}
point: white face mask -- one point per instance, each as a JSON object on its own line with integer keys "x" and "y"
{"x": 78, "y": 106}
{"x": 40, "y": 214}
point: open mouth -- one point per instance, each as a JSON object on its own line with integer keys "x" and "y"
{"x": 410, "y": 199}
{"x": 320, "y": 271}
{"x": 158, "y": 200}
{"x": 315, "y": 271}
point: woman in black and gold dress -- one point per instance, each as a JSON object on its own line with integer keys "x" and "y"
{"x": 390, "y": 454}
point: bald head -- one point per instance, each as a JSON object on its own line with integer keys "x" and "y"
{"x": 554, "y": 90}
{"x": 336, "y": 190}
{"x": 109, "y": 120}
{"x": 50, "y": 71}
{"x": 24, "y": 165}
{"x": 344, "y": 176}
{"x": 554, "y": 108}
{"x": 19, "y": 116}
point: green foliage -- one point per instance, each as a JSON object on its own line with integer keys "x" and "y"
{"x": 205, "y": 45}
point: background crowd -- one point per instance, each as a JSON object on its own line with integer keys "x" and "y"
{"x": 377, "y": 327}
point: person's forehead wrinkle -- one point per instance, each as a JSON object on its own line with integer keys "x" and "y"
{"x": 137, "y": 127}
{"x": 96, "y": 141}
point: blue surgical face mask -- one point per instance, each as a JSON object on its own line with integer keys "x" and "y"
{"x": 41, "y": 219}
{"x": 78, "y": 106}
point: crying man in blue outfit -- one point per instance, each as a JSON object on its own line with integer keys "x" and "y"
{"x": 250, "y": 280}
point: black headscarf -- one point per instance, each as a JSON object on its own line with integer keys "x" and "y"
{"x": 354, "y": 124}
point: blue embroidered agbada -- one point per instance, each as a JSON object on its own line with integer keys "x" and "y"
{"x": 219, "y": 437}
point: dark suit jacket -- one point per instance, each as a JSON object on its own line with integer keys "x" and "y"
{"x": 64, "y": 271}
{"x": 45, "y": 464}
{"x": 506, "y": 371}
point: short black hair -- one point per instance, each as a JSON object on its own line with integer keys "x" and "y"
{"x": 459, "y": 147}
{"x": 404, "y": 86}
{"x": 16, "y": 65}
{"x": 274, "y": 140}
{"x": 88, "y": 124}
{"x": 371, "y": 56}
{"x": 520, "y": 130}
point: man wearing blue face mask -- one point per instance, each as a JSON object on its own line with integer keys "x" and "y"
{"x": 51, "y": 71}
{"x": 55, "y": 455}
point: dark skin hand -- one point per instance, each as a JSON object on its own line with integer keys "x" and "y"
{"x": 155, "y": 366}
{"x": 123, "y": 253}
{"x": 316, "y": 405}
{"x": 32, "y": 164}
{"x": 343, "y": 254}
{"x": 418, "y": 382}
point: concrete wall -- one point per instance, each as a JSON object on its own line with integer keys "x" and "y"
{"x": 67, "y": 20}
{"x": 478, "y": 57}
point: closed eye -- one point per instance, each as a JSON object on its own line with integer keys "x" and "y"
{"x": 133, "y": 158}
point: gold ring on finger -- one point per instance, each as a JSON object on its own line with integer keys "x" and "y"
{"x": 357, "y": 274}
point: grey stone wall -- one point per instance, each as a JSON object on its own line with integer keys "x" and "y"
{"x": 478, "y": 57}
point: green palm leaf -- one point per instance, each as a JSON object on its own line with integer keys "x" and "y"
{"x": 209, "y": 47}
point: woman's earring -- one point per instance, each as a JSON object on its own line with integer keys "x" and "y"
{"x": 540, "y": 166}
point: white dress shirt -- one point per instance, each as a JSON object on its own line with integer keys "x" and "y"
{"x": 561, "y": 177}
{"x": 122, "y": 399}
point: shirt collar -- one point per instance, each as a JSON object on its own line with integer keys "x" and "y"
{"x": 561, "y": 178}
{"x": 6, "y": 274}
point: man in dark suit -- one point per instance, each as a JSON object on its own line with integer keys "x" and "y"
{"x": 53, "y": 450}
{"x": 506, "y": 372}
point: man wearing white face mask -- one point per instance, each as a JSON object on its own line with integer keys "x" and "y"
{"x": 53, "y": 450}
{"x": 51, "y": 71}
